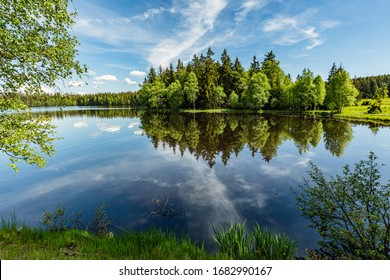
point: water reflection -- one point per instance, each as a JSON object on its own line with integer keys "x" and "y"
{"x": 208, "y": 135}
{"x": 153, "y": 169}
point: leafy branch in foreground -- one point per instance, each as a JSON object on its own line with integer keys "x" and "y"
{"x": 23, "y": 136}
{"x": 349, "y": 211}
{"x": 36, "y": 51}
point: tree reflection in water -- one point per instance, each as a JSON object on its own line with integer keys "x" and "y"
{"x": 207, "y": 135}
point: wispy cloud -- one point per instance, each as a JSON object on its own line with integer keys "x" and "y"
{"x": 197, "y": 18}
{"x": 247, "y": 7}
{"x": 108, "y": 27}
{"x": 154, "y": 12}
{"x": 291, "y": 30}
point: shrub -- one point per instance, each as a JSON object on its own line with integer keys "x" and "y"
{"x": 374, "y": 108}
{"x": 349, "y": 211}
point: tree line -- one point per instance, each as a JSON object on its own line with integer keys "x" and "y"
{"x": 98, "y": 99}
{"x": 369, "y": 87}
{"x": 207, "y": 83}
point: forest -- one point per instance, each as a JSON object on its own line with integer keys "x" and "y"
{"x": 59, "y": 100}
{"x": 207, "y": 83}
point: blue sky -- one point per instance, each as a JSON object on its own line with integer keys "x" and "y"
{"x": 121, "y": 39}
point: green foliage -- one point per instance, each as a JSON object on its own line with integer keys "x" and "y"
{"x": 59, "y": 220}
{"x": 233, "y": 101}
{"x": 36, "y": 49}
{"x": 100, "y": 225}
{"x": 276, "y": 77}
{"x": 269, "y": 246}
{"x": 305, "y": 90}
{"x": 257, "y": 94}
{"x": 191, "y": 88}
{"x": 340, "y": 91}
{"x": 36, "y": 46}
{"x": 32, "y": 244}
{"x": 23, "y": 136}
{"x": 236, "y": 243}
{"x": 349, "y": 211}
{"x": 382, "y": 92}
{"x": 368, "y": 86}
{"x": 175, "y": 95}
{"x": 217, "y": 97}
{"x": 374, "y": 108}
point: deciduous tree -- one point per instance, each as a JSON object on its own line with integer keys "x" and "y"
{"x": 36, "y": 50}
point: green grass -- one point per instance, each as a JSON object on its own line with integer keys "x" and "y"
{"x": 28, "y": 244}
{"x": 258, "y": 244}
{"x": 25, "y": 243}
{"x": 359, "y": 112}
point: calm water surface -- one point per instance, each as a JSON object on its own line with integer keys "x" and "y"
{"x": 185, "y": 172}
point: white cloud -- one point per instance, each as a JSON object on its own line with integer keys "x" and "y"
{"x": 248, "y": 6}
{"x": 290, "y": 30}
{"x": 279, "y": 23}
{"x": 80, "y": 124}
{"x": 198, "y": 19}
{"x": 113, "y": 30}
{"x": 136, "y": 73}
{"x": 151, "y": 13}
{"x": 76, "y": 83}
{"x": 107, "y": 78}
{"x": 130, "y": 82}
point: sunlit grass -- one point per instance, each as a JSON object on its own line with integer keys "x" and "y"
{"x": 26, "y": 243}
{"x": 360, "y": 111}
{"x": 258, "y": 243}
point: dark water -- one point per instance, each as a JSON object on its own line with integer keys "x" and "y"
{"x": 185, "y": 172}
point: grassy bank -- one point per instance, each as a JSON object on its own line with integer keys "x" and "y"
{"x": 30, "y": 244}
{"x": 359, "y": 112}
{"x": 25, "y": 243}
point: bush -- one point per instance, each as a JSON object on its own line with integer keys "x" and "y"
{"x": 350, "y": 211}
{"x": 374, "y": 108}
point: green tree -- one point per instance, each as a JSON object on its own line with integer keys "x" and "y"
{"x": 233, "y": 101}
{"x": 153, "y": 95}
{"x": 226, "y": 72}
{"x": 340, "y": 91}
{"x": 270, "y": 67}
{"x": 304, "y": 89}
{"x": 191, "y": 88}
{"x": 381, "y": 92}
{"x": 36, "y": 50}
{"x": 175, "y": 95}
{"x": 254, "y": 67}
{"x": 257, "y": 93}
{"x": 217, "y": 97}
{"x": 350, "y": 211}
{"x": 320, "y": 92}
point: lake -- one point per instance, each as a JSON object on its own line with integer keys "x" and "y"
{"x": 185, "y": 172}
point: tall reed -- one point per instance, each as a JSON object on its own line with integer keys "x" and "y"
{"x": 236, "y": 243}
